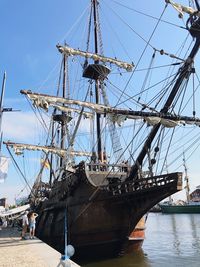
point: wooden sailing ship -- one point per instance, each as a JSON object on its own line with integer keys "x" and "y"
{"x": 105, "y": 196}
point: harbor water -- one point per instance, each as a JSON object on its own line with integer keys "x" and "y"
{"x": 172, "y": 240}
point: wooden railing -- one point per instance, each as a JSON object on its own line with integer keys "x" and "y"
{"x": 111, "y": 168}
{"x": 145, "y": 183}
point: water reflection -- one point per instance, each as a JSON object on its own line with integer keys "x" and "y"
{"x": 136, "y": 259}
{"x": 195, "y": 226}
{"x": 171, "y": 240}
{"x": 176, "y": 242}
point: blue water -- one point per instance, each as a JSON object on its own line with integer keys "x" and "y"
{"x": 171, "y": 241}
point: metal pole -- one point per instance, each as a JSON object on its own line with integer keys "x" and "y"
{"x": 65, "y": 256}
{"x": 1, "y": 105}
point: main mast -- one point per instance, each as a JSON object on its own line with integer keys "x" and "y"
{"x": 98, "y": 116}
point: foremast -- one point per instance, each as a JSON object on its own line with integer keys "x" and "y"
{"x": 184, "y": 73}
{"x": 63, "y": 122}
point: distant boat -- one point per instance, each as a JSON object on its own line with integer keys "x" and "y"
{"x": 11, "y": 214}
{"x": 155, "y": 208}
{"x": 192, "y": 205}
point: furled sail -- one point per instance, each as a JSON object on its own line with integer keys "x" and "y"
{"x": 87, "y": 115}
{"x": 47, "y": 149}
{"x": 183, "y": 9}
{"x": 76, "y": 52}
{"x": 44, "y": 101}
{"x": 116, "y": 115}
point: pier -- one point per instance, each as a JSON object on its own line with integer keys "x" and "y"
{"x": 15, "y": 252}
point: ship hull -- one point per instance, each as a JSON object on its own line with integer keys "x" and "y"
{"x": 100, "y": 222}
{"x": 136, "y": 238}
{"x": 180, "y": 208}
{"x": 101, "y": 231}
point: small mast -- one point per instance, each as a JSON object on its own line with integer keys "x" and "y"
{"x": 187, "y": 186}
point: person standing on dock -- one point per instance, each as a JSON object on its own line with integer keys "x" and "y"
{"x": 32, "y": 223}
{"x": 25, "y": 224}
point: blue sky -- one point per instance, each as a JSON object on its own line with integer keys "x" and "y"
{"x": 30, "y": 31}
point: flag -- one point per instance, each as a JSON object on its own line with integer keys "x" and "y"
{"x": 45, "y": 163}
{"x": 3, "y": 168}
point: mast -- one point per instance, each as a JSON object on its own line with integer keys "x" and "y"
{"x": 63, "y": 123}
{"x": 51, "y": 157}
{"x": 63, "y": 117}
{"x": 98, "y": 116}
{"x": 184, "y": 73}
{"x": 197, "y": 4}
{"x": 1, "y": 106}
{"x": 187, "y": 187}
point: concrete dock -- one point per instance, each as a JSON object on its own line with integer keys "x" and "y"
{"x": 15, "y": 252}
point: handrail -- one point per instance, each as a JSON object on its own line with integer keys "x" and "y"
{"x": 146, "y": 183}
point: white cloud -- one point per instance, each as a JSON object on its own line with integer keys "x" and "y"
{"x": 11, "y": 192}
{"x": 20, "y": 126}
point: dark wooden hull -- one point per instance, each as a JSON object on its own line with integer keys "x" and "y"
{"x": 99, "y": 226}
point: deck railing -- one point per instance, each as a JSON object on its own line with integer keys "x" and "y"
{"x": 111, "y": 168}
{"x": 145, "y": 183}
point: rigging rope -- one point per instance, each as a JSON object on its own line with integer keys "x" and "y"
{"x": 89, "y": 30}
{"x": 194, "y": 91}
{"x": 76, "y": 22}
{"x": 169, "y": 145}
{"x": 147, "y": 75}
{"x": 147, "y": 44}
{"x": 99, "y": 33}
{"x": 117, "y": 37}
{"x": 193, "y": 95}
{"x": 195, "y": 142}
{"x": 136, "y": 95}
{"x": 145, "y": 69}
{"x": 147, "y": 15}
{"x": 18, "y": 168}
